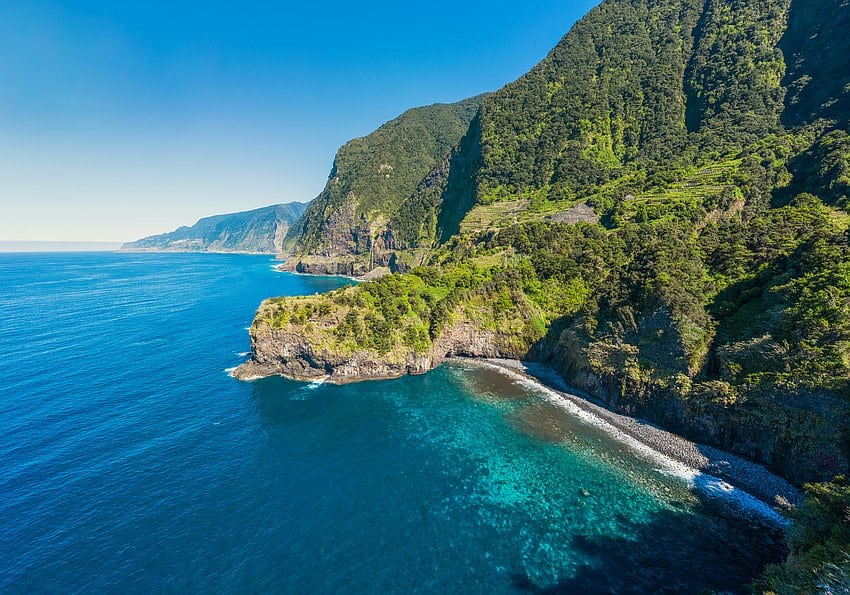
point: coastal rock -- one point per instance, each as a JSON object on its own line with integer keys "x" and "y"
{"x": 291, "y": 354}
{"x": 349, "y": 266}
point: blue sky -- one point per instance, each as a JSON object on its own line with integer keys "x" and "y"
{"x": 120, "y": 119}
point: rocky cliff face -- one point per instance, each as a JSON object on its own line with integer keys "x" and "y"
{"x": 283, "y": 353}
{"x": 294, "y": 355}
{"x": 796, "y": 435}
{"x": 370, "y": 179}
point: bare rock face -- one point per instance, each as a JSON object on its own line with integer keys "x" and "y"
{"x": 352, "y": 246}
{"x": 350, "y": 266}
{"x": 282, "y": 353}
{"x": 465, "y": 340}
{"x": 581, "y": 213}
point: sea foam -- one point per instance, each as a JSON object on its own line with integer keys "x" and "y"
{"x": 702, "y": 483}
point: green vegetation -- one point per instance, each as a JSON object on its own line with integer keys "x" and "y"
{"x": 392, "y": 313}
{"x": 713, "y": 295}
{"x": 259, "y": 230}
{"x": 403, "y": 314}
{"x": 816, "y": 46}
{"x": 819, "y": 544}
{"x": 635, "y": 86}
{"x": 372, "y": 176}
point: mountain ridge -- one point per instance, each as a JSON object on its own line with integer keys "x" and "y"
{"x": 255, "y": 231}
{"x": 344, "y": 229}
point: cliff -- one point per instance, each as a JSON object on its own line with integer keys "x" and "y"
{"x": 345, "y": 228}
{"x": 259, "y": 230}
{"x": 384, "y": 332}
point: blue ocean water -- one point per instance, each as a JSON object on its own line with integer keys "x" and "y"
{"x": 131, "y": 461}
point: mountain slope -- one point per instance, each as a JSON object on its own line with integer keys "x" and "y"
{"x": 633, "y": 90}
{"x": 371, "y": 177}
{"x": 258, "y": 230}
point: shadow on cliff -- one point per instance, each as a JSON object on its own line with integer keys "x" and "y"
{"x": 816, "y": 45}
{"x": 670, "y": 553}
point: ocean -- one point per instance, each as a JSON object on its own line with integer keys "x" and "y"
{"x": 130, "y": 461}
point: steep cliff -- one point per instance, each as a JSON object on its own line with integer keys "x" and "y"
{"x": 344, "y": 230}
{"x": 260, "y": 230}
{"x": 390, "y": 327}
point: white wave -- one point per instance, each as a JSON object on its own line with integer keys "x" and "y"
{"x": 243, "y": 353}
{"x": 712, "y": 487}
{"x": 303, "y": 393}
{"x": 703, "y": 483}
{"x": 316, "y": 383}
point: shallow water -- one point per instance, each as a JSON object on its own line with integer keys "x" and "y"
{"x": 133, "y": 462}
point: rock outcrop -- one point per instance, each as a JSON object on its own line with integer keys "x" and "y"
{"x": 291, "y": 354}
{"x": 791, "y": 435}
{"x": 581, "y": 213}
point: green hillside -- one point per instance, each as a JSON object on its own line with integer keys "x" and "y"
{"x": 373, "y": 175}
{"x": 259, "y": 230}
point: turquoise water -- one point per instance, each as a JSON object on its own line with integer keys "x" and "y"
{"x": 131, "y": 461}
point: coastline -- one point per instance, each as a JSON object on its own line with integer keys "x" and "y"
{"x": 372, "y": 275}
{"x": 279, "y": 268}
{"x": 242, "y": 252}
{"x": 712, "y": 471}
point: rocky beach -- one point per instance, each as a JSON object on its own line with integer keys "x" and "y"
{"x": 711, "y": 462}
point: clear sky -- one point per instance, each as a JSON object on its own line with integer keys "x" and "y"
{"x": 120, "y": 119}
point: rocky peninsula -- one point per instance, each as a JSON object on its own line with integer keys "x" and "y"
{"x": 297, "y": 343}
{"x": 292, "y": 358}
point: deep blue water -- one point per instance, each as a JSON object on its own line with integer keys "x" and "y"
{"x": 131, "y": 462}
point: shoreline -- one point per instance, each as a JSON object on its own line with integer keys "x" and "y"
{"x": 711, "y": 471}
{"x": 279, "y": 268}
{"x": 240, "y": 252}
{"x": 373, "y": 275}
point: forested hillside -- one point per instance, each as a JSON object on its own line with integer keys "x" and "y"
{"x": 371, "y": 177}
{"x": 660, "y": 210}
